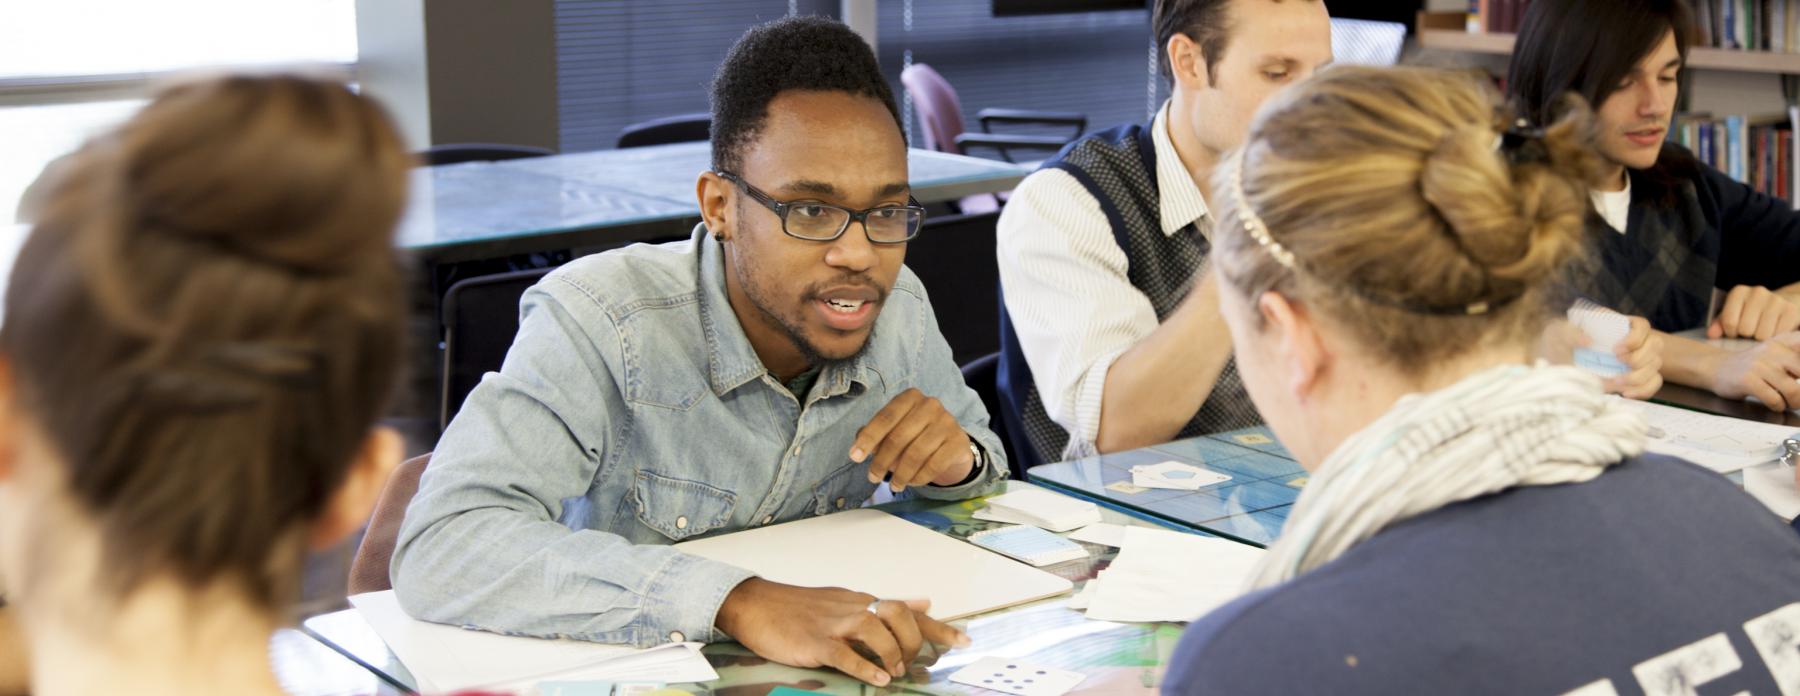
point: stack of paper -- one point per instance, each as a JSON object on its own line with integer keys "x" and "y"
{"x": 445, "y": 659}
{"x": 1716, "y": 442}
{"x": 1040, "y": 508}
{"x": 1163, "y": 575}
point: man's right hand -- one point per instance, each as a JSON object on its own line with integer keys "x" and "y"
{"x": 1770, "y": 372}
{"x": 823, "y": 627}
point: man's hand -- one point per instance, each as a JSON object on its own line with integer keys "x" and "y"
{"x": 832, "y": 627}
{"x": 1754, "y": 312}
{"x": 1642, "y": 352}
{"x": 914, "y": 441}
{"x": 1768, "y": 372}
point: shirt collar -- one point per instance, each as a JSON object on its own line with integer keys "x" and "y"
{"x": 1181, "y": 202}
{"x": 731, "y": 361}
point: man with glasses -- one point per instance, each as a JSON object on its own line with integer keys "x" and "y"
{"x": 778, "y": 365}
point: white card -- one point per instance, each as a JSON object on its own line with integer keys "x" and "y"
{"x": 1175, "y": 475}
{"x": 1016, "y": 677}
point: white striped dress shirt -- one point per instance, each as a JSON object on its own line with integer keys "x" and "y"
{"x": 1072, "y": 305}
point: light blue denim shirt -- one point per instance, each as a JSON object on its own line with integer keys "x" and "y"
{"x": 632, "y": 413}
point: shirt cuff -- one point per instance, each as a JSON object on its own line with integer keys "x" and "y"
{"x": 1084, "y": 423}
{"x": 684, "y": 599}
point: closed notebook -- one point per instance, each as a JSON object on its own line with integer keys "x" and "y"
{"x": 1028, "y": 544}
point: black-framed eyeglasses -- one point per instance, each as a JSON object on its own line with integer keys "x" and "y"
{"x": 824, "y": 222}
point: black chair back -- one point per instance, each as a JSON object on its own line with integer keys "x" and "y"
{"x": 683, "y": 128}
{"x": 457, "y": 153}
{"x": 954, "y": 257}
{"x": 481, "y": 317}
{"x": 983, "y": 375}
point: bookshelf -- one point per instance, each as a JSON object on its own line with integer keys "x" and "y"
{"x": 1698, "y": 58}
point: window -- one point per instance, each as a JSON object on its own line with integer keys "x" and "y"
{"x": 67, "y": 38}
{"x": 72, "y": 68}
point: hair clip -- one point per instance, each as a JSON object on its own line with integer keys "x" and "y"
{"x": 1253, "y": 224}
{"x": 1523, "y": 143}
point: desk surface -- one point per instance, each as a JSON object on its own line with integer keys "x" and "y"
{"x": 487, "y": 209}
{"x": 1118, "y": 658}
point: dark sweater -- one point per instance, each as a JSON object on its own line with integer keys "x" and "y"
{"x": 1691, "y": 229}
{"x": 1534, "y": 590}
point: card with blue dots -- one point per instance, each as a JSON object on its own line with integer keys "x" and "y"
{"x": 1017, "y": 677}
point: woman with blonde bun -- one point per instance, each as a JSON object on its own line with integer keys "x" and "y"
{"x": 1476, "y": 521}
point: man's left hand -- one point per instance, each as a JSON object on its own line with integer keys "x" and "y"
{"x": 914, "y": 441}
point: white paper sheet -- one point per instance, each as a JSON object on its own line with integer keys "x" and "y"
{"x": 447, "y": 658}
{"x": 1163, "y": 575}
{"x": 1103, "y": 533}
{"x": 1773, "y": 484}
{"x": 1716, "y": 442}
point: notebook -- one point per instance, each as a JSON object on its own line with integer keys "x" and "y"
{"x": 871, "y": 551}
{"x": 1028, "y": 544}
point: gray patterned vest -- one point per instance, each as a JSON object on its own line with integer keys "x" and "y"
{"x": 1118, "y": 168}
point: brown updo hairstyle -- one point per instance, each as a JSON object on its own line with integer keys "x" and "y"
{"x": 205, "y": 323}
{"x": 1408, "y": 224}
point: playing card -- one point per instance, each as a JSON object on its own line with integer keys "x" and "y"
{"x": 1018, "y": 678}
{"x": 1126, "y": 488}
{"x": 1175, "y": 475}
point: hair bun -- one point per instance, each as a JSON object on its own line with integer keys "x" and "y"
{"x": 264, "y": 168}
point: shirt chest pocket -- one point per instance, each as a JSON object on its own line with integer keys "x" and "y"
{"x": 679, "y": 508}
{"x": 846, "y": 488}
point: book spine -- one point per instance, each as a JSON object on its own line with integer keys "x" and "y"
{"x": 1477, "y": 21}
{"x": 1794, "y": 156}
{"x": 1734, "y": 144}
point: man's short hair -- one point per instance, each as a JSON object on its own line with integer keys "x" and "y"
{"x": 1200, "y": 20}
{"x": 795, "y": 53}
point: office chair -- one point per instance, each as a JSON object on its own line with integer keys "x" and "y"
{"x": 481, "y": 316}
{"x": 457, "y": 153}
{"x": 681, "y": 128}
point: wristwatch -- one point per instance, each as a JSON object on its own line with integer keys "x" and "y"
{"x": 975, "y": 471}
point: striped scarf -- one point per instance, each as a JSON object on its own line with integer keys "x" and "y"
{"x": 1500, "y": 428}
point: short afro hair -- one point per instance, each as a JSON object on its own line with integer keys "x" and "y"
{"x": 804, "y": 53}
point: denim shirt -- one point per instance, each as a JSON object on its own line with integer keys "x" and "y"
{"x": 631, "y": 413}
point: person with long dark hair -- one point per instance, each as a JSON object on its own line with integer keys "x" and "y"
{"x": 1674, "y": 240}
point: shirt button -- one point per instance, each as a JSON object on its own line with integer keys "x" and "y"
{"x": 676, "y": 637}
{"x": 680, "y": 523}
{"x": 796, "y": 450}
{"x": 768, "y": 518}
{"x": 840, "y": 503}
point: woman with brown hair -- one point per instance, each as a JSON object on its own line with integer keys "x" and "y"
{"x": 1476, "y": 521}
{"x": 198, "y": 337}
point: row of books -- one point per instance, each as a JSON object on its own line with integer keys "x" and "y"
{"x": 1759, "y": 152}
{"x": 1750, "y": 25}
{"x": 1496, "y": 16}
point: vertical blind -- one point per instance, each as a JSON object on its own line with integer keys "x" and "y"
{"x": 620, "y": 62}
{"x": 1098, "y": 63}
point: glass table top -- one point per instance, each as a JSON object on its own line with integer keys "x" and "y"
{"x": 1251, "y": 507}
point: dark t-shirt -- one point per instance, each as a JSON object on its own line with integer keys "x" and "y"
{"x": 1657, "y": 570}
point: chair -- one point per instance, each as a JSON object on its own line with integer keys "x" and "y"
{"x": 940, "y": 115}
{"x": 982, "y": 375}
{"x": 1365, "y": 42}
{"x": 481, "y": 316}
{"x": 369, "y": 570}
{"x": 953, "y": 256}
{"x": 457, "y": 153}
{"x": 682, "y": 128}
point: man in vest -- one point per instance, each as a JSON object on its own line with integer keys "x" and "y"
{"x": 1111, "y": 336}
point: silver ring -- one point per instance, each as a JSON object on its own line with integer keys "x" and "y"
{"x": 872, "y": 606}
